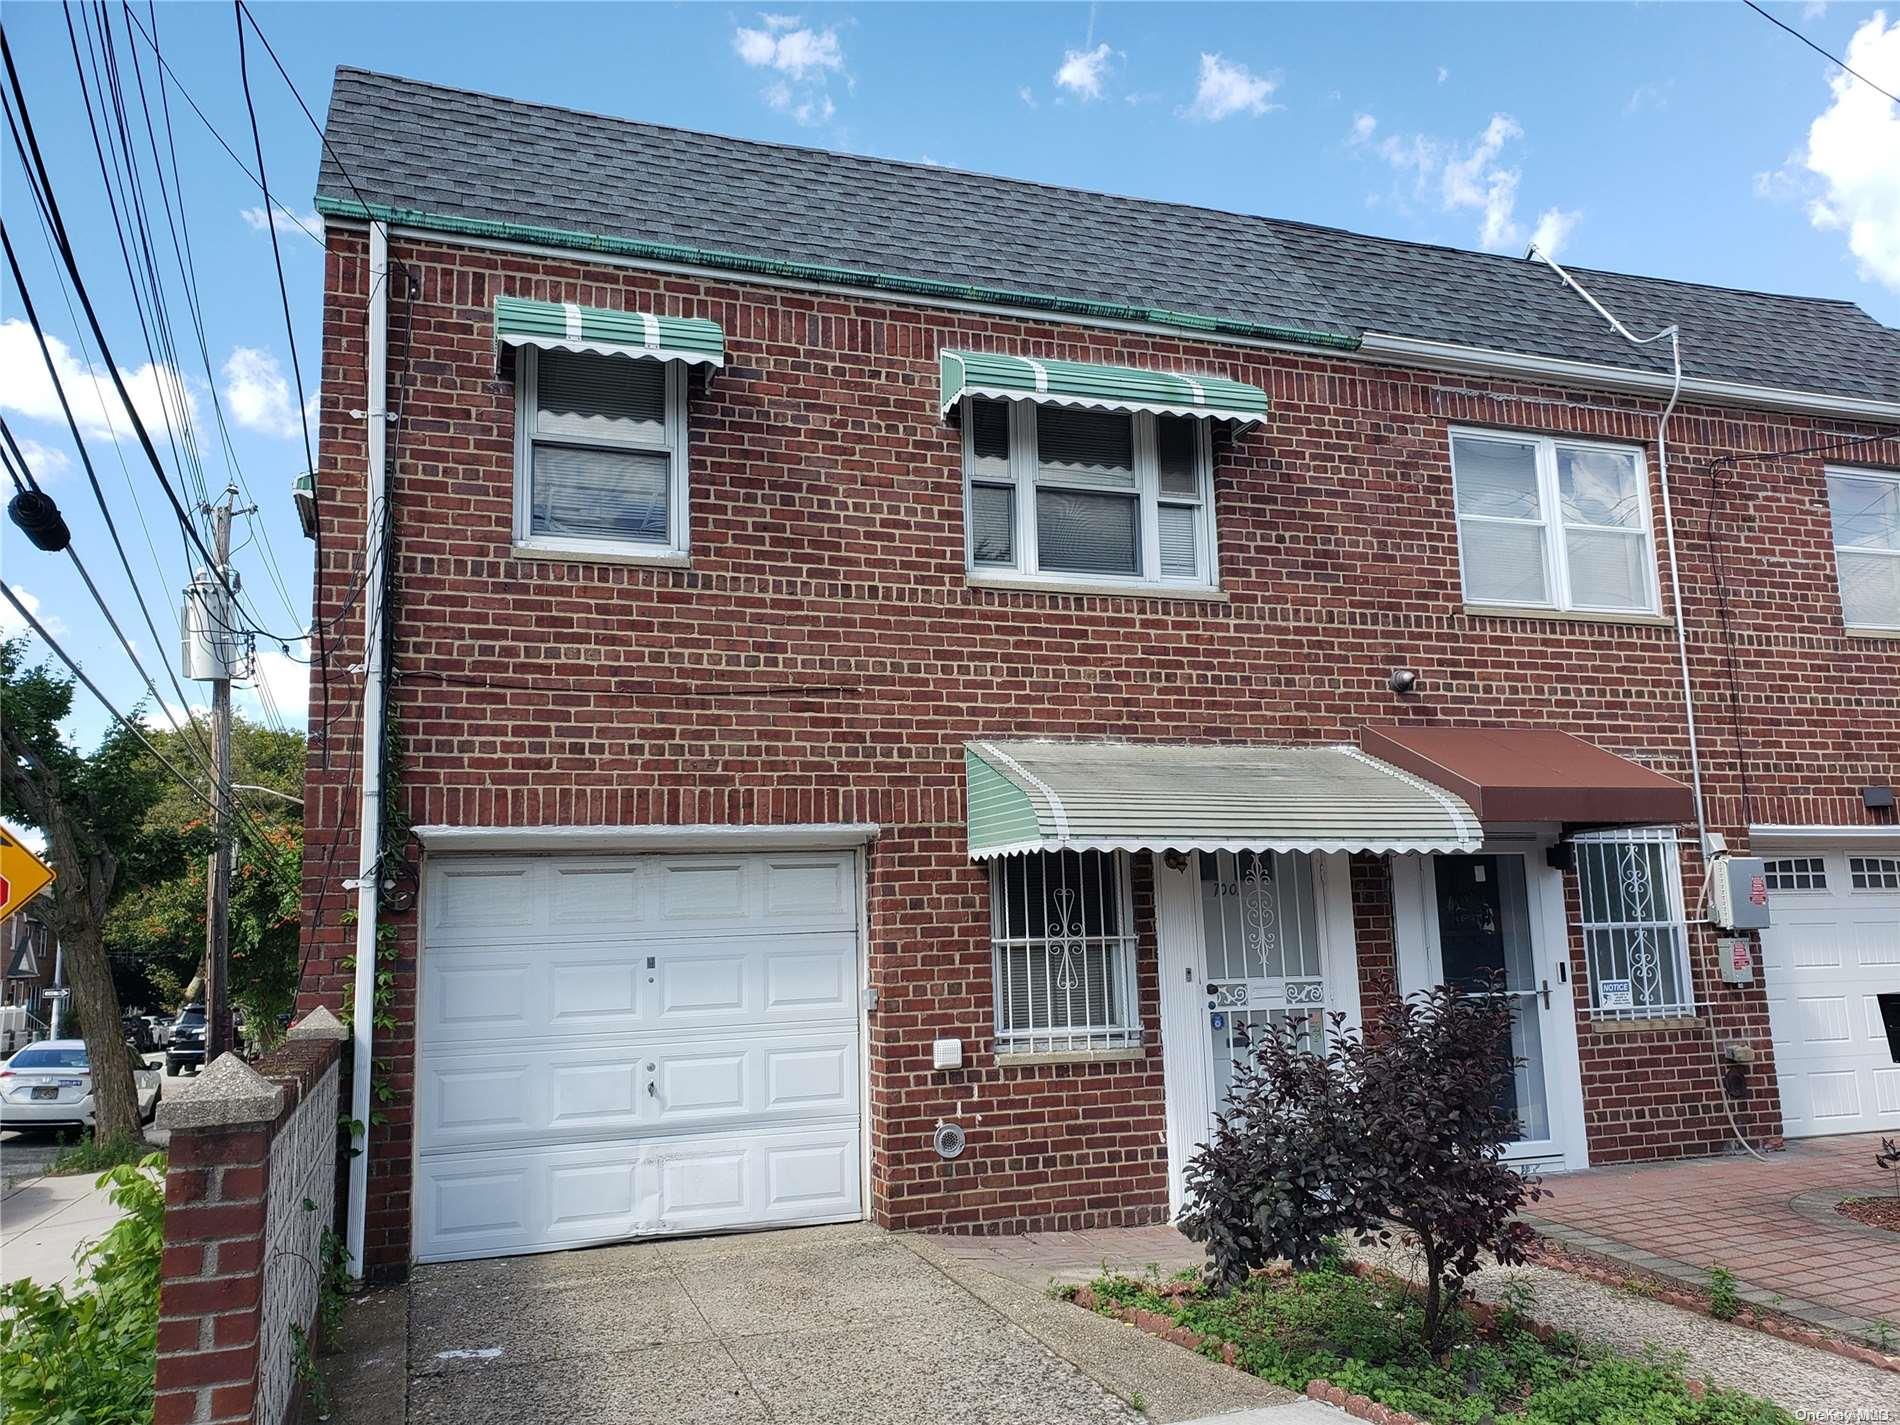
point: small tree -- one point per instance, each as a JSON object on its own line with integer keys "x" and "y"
{"x": 1404, "y": 1127}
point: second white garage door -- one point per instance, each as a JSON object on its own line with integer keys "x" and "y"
{"x": 1833, "y": 949}
{"x": 614, "y": 1046}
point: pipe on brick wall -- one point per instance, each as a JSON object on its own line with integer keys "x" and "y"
{"x": 370, "y": 748}
{"x": 1674, "y": 335}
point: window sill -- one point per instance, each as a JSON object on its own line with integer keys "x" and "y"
{"x": 1026, "y": 1058}
{"x": 1869, "y": 631}
{"x": 1110, "y": 588}
{"x": 584, "y": 554}
{"x": 1572, "y": 615}
{"x": 1638, "y": 1026}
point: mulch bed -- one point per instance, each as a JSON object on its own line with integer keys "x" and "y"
{"x": 1881, "y": 1212}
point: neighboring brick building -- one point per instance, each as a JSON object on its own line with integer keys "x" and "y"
{"x": 726, "y": 732}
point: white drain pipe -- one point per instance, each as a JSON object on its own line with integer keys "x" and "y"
{"x": 370, "y": 751}
{"x": 1669, "y": 533}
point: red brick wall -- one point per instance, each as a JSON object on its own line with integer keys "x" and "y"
{"x": 824, "y": 659}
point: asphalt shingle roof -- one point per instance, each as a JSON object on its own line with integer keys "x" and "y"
{"x": 410, "y": 145}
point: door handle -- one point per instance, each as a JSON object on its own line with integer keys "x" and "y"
{"x": 1545, "y": 992}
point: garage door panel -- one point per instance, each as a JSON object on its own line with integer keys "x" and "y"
{"x": 1830, "y": 951}
{"x": 614, "y": 1046}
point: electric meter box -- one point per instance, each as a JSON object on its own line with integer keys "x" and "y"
{"x": 1738, "y": 893}
{"x": 1736, "y": 954}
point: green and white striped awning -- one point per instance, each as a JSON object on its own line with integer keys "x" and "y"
{"x": 563, "y": 326}
{"x": 1108, "y": 796}
{"x": 1103, "y": 388}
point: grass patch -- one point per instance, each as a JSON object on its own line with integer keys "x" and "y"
{"x": 90, "y": 1155}
{"x": 1364, "y": 1335}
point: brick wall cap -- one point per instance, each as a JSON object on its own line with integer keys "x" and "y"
{"x": 229, "y": 1092}
{"x": 319, "y": 1024}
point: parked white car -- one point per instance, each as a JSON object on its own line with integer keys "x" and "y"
{"x": 49, "y": 1084}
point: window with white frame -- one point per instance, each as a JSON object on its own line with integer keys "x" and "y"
{"x": 1865, "y": 505}
{"x": 1065, "y": 494}
{"x": 1062, "y": 928}
{"x": 1795, "y": 873}
{"x": 600, "y": 453}
{"x": 1634, "y": 936}
{"x": 1553, "y": 524}
{"x": 1874, "y": 873}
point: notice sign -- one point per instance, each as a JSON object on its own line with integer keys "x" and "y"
{"x": 1615, "y": 994}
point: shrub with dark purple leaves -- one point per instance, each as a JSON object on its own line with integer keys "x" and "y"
{"x": 1404, "y": 1127}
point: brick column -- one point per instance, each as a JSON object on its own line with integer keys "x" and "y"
{"x": 211, "y": 1308}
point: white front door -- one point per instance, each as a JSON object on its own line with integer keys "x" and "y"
{"x": 611, "y": 1046}
{"x": 1832, "y": 952}
{"x": 1472, "y": 921}
{"x": 1250, "y": 943}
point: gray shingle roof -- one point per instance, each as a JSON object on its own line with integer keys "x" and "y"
{"x": 421, "y": 147}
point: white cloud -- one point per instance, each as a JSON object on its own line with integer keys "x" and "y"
{"x": 802, "y": 61}
{"x": 1027, "y": 95}
{"x": 27, "y": 390}
{"x": 304, "y": 224}
{"x": 46, "y": 463}
{"x": 1443, "y": 74}
{"x": 1082, "y": 71}
{"x": 1653, "y": 95}
{"x": 1814, "y": 9}
{"x": 1554, "y": 226}
{"x": 259, "y": 396}
{"x": 289, "y": 685}
{"x": 1463, "y": 177}
{"x": 12, "y": 625}
{"x": 1227, "y": 89}
{"x": 1851, "y": 148}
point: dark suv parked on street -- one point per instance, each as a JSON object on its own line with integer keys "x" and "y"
{"x": 186, "y": 1046}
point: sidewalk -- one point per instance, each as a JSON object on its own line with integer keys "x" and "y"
{"x": 43, "y": 1221}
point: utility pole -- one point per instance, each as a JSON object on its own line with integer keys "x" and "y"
{"x": 215, "y": 651}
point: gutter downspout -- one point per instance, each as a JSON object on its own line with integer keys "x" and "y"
{"x": 370, "y": 749}
{"x": 1669, "y": 534}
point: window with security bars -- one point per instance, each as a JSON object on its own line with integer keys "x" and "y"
{"x": 1874, "y": 873}
{"x": 1553, "y": 524}
{"x": 1795, "y": 873}
{"x": 600, "y": 453}
{"x": 1069, "y": 493}
{"x": 1630, "y": 886}
{"x": 1063, "y": 932}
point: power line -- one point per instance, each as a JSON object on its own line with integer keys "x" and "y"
{"x": 1837, "y": 63}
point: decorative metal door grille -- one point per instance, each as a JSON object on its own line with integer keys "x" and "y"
{"x": 1630, "y": 883}
{"x": 1063, "y": 932}
{"x": 1264, "y": 967}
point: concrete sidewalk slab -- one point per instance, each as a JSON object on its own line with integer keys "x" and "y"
{"x": 45, "y": 1221}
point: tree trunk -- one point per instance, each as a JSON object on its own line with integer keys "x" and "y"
{"x": 115, "y": 1102}
{"x": 1434, "y": 1294}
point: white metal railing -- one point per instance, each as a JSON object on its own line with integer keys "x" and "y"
{"x": 1062, "y": 930}
{"x": 1634, "y": 934}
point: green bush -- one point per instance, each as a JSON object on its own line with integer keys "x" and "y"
{"x": 1366, "y": 1337}
{"x": 86, "y": 1355}
{"x": 89, "y": 1155}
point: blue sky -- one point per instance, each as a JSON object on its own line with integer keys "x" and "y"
{"x": 1690, "y": 140}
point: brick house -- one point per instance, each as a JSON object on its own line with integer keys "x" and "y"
{"x": 893, "y": 674}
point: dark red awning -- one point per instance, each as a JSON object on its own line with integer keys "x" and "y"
{"x": 1528, "y": 774}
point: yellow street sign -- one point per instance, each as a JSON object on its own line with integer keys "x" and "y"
{"x": 22, "y": 875}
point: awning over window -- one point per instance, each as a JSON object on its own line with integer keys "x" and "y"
{"x": 1527, "y": 774}
{"x": 1095, "y": 796}
{"x": 1102, "y": 388}
{"x": 562, "y": 326}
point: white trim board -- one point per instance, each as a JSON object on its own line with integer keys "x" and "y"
{"x": 802, "y": 836}
{"x": 1375, "y": 348}
{"x": 1823, "y": 833}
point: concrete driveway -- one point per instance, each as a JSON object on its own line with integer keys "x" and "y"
{"x": 822, "y": 1326}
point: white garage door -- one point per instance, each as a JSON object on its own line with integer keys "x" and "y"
{"x": 619, "y": 1045}
{"x": 1833, "y": 947}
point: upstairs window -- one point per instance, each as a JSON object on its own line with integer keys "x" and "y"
{"x": 600, "y": 460}
{"x": 1067, "y": 494}
{"x": 1865, "y": 505}
{"x": 1553, "y": 524}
